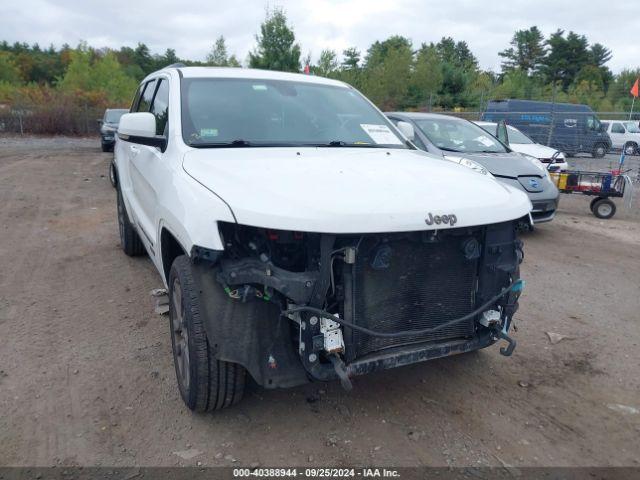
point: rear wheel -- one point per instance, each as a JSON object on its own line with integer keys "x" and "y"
{"x": 205, "y": 383}
{"x": 599, "y": 151}
{"x": 630, "y": 148}
{"x": 129, "y": 238}
{"x": 604, "y": 208}
{"x": 113, "y": 176}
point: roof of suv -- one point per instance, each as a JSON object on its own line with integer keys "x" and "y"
{"x": 251, "y": 73}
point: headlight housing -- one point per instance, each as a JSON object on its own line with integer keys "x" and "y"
{"x": 475, "y": 166}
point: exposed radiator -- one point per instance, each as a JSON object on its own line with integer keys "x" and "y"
{"x": 406, "y": 284}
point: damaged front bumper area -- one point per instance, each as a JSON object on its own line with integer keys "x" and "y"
{"x": 294, "y": 306}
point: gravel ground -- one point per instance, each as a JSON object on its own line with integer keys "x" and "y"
{"x": 86, "y": 376}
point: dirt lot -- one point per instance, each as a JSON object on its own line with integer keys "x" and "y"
{"x": 86, "y": 376}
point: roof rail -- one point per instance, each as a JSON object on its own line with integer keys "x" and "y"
{"x": 176, "y": 65}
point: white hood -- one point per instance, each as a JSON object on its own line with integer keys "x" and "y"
{"x": 350, "y": 190}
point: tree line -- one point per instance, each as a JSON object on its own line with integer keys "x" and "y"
{"x": 394, "y": 73}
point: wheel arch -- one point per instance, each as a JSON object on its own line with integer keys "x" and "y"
{"x": 170, "y": 249}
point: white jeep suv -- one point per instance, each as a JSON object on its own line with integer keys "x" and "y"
{"x": 302, "y": 237}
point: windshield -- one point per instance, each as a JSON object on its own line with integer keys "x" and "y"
{"x": 113, "y": 116}
{"x": 632, "y": 127}
{"x": 457, "y": 135}
{"x": 516, "y": 136}
{"x": 222, "y": 112}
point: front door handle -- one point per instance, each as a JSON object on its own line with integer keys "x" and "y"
{"x": 134, "y": 150}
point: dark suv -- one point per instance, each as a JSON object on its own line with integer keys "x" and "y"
{"x": 108, "y": 127}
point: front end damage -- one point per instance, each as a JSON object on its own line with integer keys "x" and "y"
{"x": 294, "y": 306}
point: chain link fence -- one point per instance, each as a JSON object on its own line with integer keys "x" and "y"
{"x": 61, "y": 119}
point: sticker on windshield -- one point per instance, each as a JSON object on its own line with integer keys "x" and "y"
{"x": 208, "y": 132}
{"x": 381, "y": 134}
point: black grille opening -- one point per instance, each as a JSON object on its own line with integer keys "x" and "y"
{"x": 408, "y": 284}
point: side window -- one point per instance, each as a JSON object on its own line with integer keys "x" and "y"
{"x": 147, "y": 97}
{"x": 617, "y": 128}
{"x": 136, "y": 99}
{"x": 593, "y": 123}
{"x": 160, "y": 107}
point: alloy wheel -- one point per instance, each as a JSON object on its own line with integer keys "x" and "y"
{"x": 180, "y": 335}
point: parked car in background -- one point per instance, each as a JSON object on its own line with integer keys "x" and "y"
{"x": 521, "y": 143}
{"x": 625, "y": 135}
{"x": 109, "y": 126}
{"x": 570, "y": 128}
{"x": 464, "y": 142}
{"x": 302, "y": 237}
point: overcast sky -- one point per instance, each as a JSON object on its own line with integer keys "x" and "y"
{"x": 191, "y": 26}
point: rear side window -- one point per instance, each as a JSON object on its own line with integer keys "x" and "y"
{"x": 160, "y": 107}
{"x": 146, "y": 97}
{"x": 617, "y": 128}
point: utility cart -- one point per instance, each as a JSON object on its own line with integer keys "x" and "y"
{"x": 601, "y": 186}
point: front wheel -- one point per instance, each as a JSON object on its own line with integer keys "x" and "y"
{"x": 599, "y": 150}
{"x": 205, "y": 383}
{"x": 603, "y": 208}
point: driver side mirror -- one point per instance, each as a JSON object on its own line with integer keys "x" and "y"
{"x": 407, "y": 130}
{"x": 501, "y": 132}
{"x": 140, "y": 127}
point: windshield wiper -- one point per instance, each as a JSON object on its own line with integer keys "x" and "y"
{"x": 450, "y": 150}
{"x": 234, "y": 143}
{"x": 342, "y": 143}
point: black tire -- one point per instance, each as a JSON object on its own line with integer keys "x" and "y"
{"x": 599, "y": 150}
{"x": 593, "y": 203}
{"x": 630, "y": 148}
{"x": 113, "y": 175}
{"x": 105, "y": 147}
{"x": 205, "y": 383}
{"x": 604, "y": 208}
{"x": 129, "y": 238}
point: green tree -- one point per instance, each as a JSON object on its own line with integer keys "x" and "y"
{"x": 566, "y": 57}
{"x": 426, "y": 79}
{"x": 108, "y": 77}
{"x": 127, "y": 58}
{"x": 276, "y": 48}
{"x": 327, "y": 64}
{"x": 351, "y": 60}
{"x": 103, "y": 79}
{"x": 169, "y": 58}
{"x": 618, "y": 93}
{"x": 458, "y": 55}
{"x": 219, "y": 57}
{"x": 526, "y": 53}
{"x": 142, "y": 57}
{"x": 600, "y": 55}
{"x": 9, "y": 72}
{"x": 387, "y": 71}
